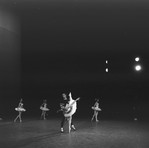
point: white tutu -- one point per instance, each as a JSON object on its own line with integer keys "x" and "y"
{"x": 20, "y": 109}
{"x": 71, "y": 110}
{"x": 44, "y": 109}
{"x": 96, "y": 108}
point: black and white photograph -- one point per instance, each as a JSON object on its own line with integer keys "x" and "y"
{"x": 74, "y": 73}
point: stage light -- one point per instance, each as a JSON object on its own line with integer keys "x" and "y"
{"x": 138, "y": 67}
{"x": 107, "y": 70}
{"x": 137, "y": 59}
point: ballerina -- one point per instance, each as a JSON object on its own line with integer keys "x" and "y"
{"x": 96, "y": 110}
{"x": 20, "y": 109}
{"x": 44, "y": 109}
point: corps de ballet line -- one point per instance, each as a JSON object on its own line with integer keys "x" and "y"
{"x": 68, "y": 107}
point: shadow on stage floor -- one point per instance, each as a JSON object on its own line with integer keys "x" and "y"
{"x": 35, "y": 133}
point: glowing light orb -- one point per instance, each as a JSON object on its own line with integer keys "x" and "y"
{"x": 138, "y": 67}
{"x": 106, "y": 61}
{"x": 137, "y": 59}
{"x": 107, "y": 70}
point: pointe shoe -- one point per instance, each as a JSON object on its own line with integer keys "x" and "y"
{"x": 62, "y": 130}
{"x": 72, "y": 127}
{"x": 97, "y": 120}
{"x": 69, "y": 129}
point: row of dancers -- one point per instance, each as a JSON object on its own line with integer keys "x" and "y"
{"x": 68, "y": 108}
{"x": 21, "y": 109}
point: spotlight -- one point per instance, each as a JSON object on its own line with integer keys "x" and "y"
{"x": 137, "y": 59}
{"x": 138, "y": 67}
{"x": 107, "y": 70}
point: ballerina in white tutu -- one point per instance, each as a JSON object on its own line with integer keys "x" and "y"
{"x": 20, "y": 109}
{"x": 96, "y": 110}
{"x": 44, "y": 109}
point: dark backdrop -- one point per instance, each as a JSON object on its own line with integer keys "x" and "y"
{"x": 63, "y": 46}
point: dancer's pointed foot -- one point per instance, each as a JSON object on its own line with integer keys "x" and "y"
{"x": 69, "y": 129}
{"x": 73, "y": 127}
{"x": 62, "y": 130}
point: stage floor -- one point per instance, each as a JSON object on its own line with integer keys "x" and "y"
{"x": 34, "y": 133}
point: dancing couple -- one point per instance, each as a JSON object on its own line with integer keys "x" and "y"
{"x": 68, "y": 107}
